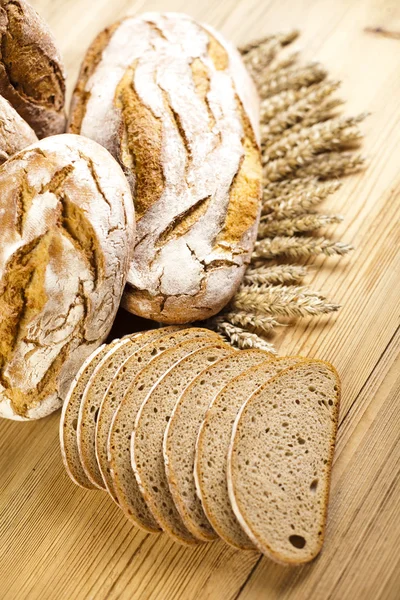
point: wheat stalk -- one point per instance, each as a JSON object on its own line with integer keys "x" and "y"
{"x": 289, "y": 301}
{"x": 308, "y": 222}
{"x": 287, "y": 207}
{"x": 332, "y": 164}
{"x": 298, "y": 247}
{"x": 277, "y": 274}
{"x": 240, "y": 337}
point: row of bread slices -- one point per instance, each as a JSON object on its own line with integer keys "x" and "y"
{"x": 202, "y": 441}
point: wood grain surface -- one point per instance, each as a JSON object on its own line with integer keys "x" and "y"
{"x": 58, "y": 541}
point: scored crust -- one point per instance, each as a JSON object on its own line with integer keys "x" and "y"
{"x": 169, "y": 94}
{"x": 32, "y": 75}
{"x": 293, "y": 534}
{"x": 67, "y": 227}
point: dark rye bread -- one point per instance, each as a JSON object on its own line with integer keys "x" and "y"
{"x": 212, "y": 447}
{"x": 32, "y": 74}
{"x": 181, "y": 434}
{"x": 129, "y": 495}
{"x": 69, "y": 418}
{"x": 148, "y": 434}
{"x": 280, "y": 460}
{"x": 194, "y": 164}
{"x": 118, "y": 386}
{"x": 94, "y": 393}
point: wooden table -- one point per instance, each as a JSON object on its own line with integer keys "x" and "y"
{"x": 59, "y": 542}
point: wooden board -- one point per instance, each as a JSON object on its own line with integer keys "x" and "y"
{"x": 58, "y": 541}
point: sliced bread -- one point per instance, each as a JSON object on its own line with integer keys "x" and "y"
{"x": 118, "y": 386}
{"x": 148, "y": 434}
{"x": 280, "y": 459}
{"x": 212, "y": 447}
{"x": 94, "y": 393}
{"x": 69, "y": 417}
{"x": 182, "y": 430}
{"x": 129, "y": 496}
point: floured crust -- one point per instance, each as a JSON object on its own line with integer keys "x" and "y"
{"x": 15, "y": 133}
{"x": 180, "y": 113}
{"x": 32, "y": 74}
{"x": 66, "y": 221}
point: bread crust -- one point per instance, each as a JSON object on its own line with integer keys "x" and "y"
{"x": 180, "y": 113}
{"x": 67, "y": 225}
{"x": 32, "y": 75}
{"x": 257, "y": 540}
{"x": 15, "y": 133}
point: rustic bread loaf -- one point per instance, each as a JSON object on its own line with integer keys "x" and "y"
{"x": 280, "y": 459}
{"x": 32, "y": 75}
{"x": 93, "y": 395}
{"x": 15, "y": 133}
{"x": 129, "y": 495}
{"x": 172, "y": 101}
{"x": 148, "y": 435}
{"x": 69, "y": 418}
{"x": 118, "y": 387}
{"x": 182, "y": 430}
{"x": 67, "y": 226}
{"x": 212, "y": 447}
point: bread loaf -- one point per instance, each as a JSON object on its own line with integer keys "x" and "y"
{"x": 67, "y": 224}
{"x": 32, "y": 74}
{"x": 172, "y": 101}
{"x": 15, "y": 133}
{"x": 280, "y": 459}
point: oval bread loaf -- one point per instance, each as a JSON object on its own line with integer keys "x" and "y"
{"x": 173, "y": 102}
{"x": 32, "y": 74}
{"x": 67, "y": 224}
{"x": 15, "y": 133}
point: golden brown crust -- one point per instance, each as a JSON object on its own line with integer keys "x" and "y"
{"x": 31, "y": 72}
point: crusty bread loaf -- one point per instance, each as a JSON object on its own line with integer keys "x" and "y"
{"x": 148, "y": 435}
{"x": 67, "y": 226}
{"x": 129, "y": 495}
{"x": 93, "y": 395}
{"x": 182, "y": 430}
{"x": 122, "y": 379}
{"x": 174, "y": 104}
{"x": 280, "y": 459}
{"x": 15, "y": 133}
{"x": 212, "y": 444}
{"x": 32, "y": 75}
{"x": 69, "y": 418}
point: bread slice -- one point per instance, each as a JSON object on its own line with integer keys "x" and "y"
{"x": 69, "y": 417}
{"x": 182, "y": 430}
{"x": 212, "y": 447}
{"x": 280, "y": 459}
{"x": 94, "y": 393}
{"x": 148, "y": 436}
{"x": 129, "y": 495}
{"x": 117, "y": 388}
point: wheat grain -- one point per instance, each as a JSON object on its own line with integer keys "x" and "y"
{"x": 277, "y": 274}
{"x": 241, "y": 338}
{"x": 287, "y": 227}
{"x": 288, "y": 301}
{"x": 298, "y": 247}
{"x": 332, "y": 164}
{"x": 290, "y": 78}
{"x": 254, "y": 322}
{"x": 298, "y": 203}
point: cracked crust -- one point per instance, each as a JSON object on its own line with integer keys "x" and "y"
{"x": 15, "y": 133}
{"x": 63, "y": 266}
{"x": 32, "y": 74}
{"x": 175, "y": 103}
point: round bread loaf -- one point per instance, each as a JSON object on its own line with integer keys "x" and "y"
{"x": 173, "y": 102}
{"x": 67, "y": 224}
{"x": 15, "y": 133}
{"x": 32, "y": 74}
